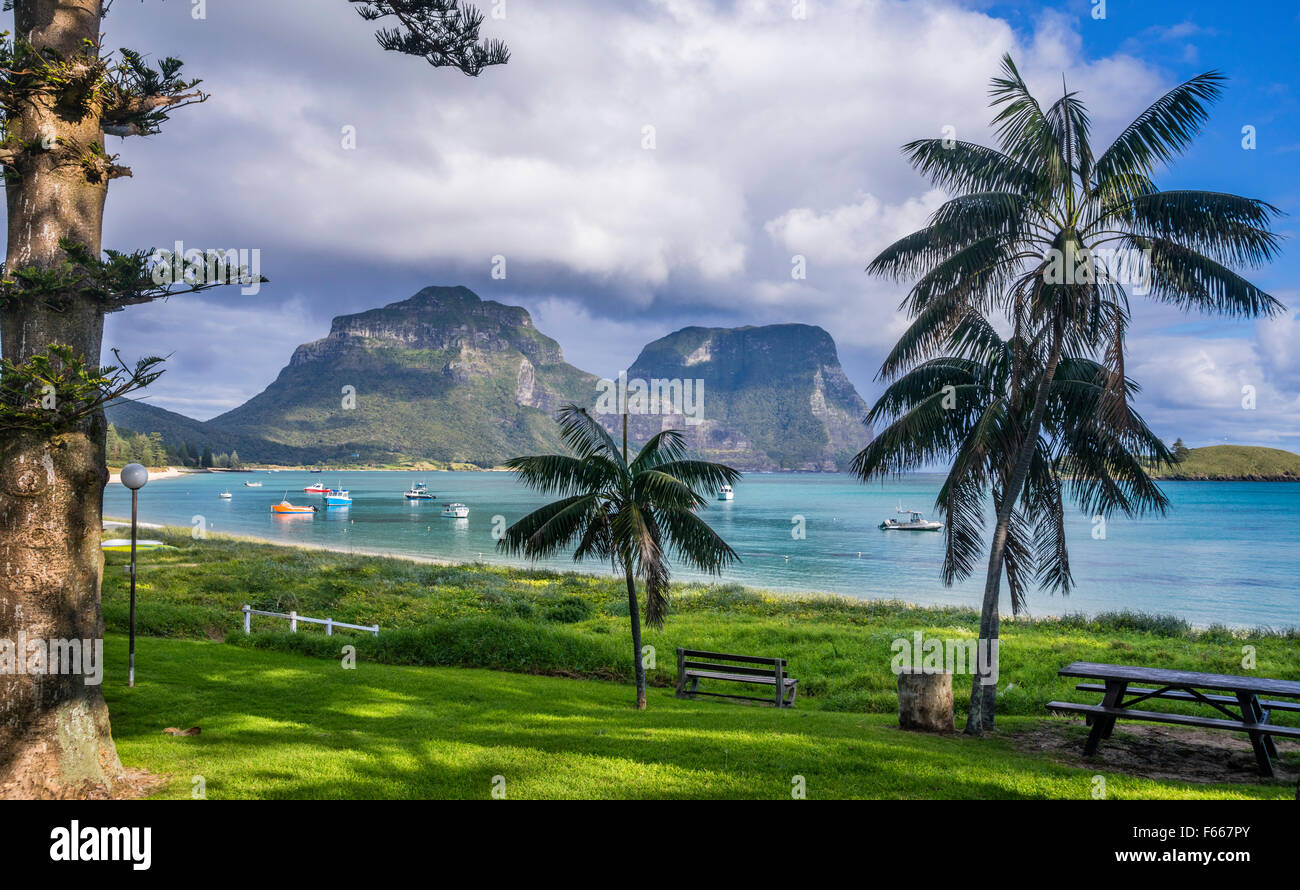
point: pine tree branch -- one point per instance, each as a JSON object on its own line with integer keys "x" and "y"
{"x": 444, "y": 32}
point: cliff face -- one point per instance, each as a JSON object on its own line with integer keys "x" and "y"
{"x": 437, "y": 319}
{"x": 773, "y": 397}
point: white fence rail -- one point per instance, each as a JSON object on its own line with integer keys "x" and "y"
{"x": 294, "y": 618}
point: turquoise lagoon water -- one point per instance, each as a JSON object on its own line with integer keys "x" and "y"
{"x": 1226, "y": 552}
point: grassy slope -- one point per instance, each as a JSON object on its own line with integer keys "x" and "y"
{"x": 541, "y": 622}
{"x": 279, "y": 725}
{"x": 1238, "y": 460}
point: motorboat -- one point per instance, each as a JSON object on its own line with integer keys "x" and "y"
{"x": 252, "y": 484}
{"x": 317, "y": 488}
{"x": 418, "y": 492}
{"x": 455, "y": 511}
{"x": 915, "y": 522}
{"x": 337, "y": 497}
{"x": 225, "y": 495}
{"x": 286, "y": 508}
{"x": 725, "y": 493}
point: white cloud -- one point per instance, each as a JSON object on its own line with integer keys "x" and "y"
{"x": 773, "y": 136}
{"x": 851, "y": 233}
{"x": 1200, "y": 388}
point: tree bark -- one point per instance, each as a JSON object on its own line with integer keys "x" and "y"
{"x": 634, "y": 609}
{"x": 54, "y": 730}
{"x": 925, "y": 701}
{"x": 983, "y": 696}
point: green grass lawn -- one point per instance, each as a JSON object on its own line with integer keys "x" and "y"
{"x": 576, "y": 625}
{"x": 281, "y": 725}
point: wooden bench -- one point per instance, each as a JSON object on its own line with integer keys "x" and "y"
{"x": 1251, "y": 716}
{"x": 694, "y": 665}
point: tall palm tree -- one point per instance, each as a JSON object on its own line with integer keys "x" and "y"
{"x": 967, "y": 408}
{"x": 632, "y": 514}
{"x": 1043, "y": 202}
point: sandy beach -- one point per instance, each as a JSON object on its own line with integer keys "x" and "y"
{"x": 154, "y": 475}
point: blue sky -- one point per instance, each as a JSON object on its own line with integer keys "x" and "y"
{"x": 775, "y": 136}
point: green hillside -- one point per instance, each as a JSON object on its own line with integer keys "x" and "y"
{"x": 442, "y": 376}
{"x": 1237, "y": 462}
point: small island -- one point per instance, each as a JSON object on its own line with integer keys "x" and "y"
{"x": 1234, "y": 463}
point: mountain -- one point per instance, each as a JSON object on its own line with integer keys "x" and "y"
{"x": 441, "y": 376}
{"x": 445, "y": 376}
{"x": 1237, "y": 462}
{"x": 774, "y": 397}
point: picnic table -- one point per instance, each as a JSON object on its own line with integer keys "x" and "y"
{"x": 1251, "y": 714}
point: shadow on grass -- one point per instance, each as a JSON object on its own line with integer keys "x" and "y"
{"x": 277, "y": 725}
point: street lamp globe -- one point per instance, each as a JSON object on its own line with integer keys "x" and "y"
{"x": 134, "y": 476}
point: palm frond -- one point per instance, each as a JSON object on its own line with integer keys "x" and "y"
{"x": 585, "y": 437}
{"x": 665, "y": 446}
{"x": 549, "y": 529}
{"x": 1158, "y": 134}
{"x": 1227, "y": 228}
{"x": 694, "y": 542}
{"x": 700, "y": 474}
{"x": 1193, "y": 281}
{"x": 1024, "y": 131}
{"x": 563, "y": 474}
{"x": 970, "y": 167}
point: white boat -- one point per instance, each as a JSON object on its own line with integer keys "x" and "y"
{"x": 418, "y": 492}
{"x": 225, "y": 495}
{"x": 725, "y": 493}
{"x": 915, "y": 522}
{"x": 338, "y": 497}
{"x": 455, "y": 511}
{"x": 252, "y": 484}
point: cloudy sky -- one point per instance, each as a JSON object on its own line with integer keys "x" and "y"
{"x": 647, "y": 165}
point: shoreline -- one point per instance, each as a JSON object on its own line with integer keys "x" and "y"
{"x": 114, "y": 522}
{"x": 155, "y": 475}
{"x": 577, "y": 568}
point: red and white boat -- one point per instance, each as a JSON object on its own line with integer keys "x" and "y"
{"x": 317, "y": 488}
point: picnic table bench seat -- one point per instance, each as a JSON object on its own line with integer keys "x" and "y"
{"x": 1180, "y": 695}
{"x": 694, "y": 665}
{"x": 1092, "y": 711}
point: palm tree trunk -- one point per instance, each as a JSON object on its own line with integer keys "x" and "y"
{"x": 983, "y": 696}
{"x": 634, "y": 609}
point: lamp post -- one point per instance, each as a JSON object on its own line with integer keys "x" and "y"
{"x": 133, "y": 476}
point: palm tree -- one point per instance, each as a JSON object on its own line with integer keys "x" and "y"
{"x": 967, "y": 408}
{"x": 1032, "y": 236}
{"x": 630, "y": 513}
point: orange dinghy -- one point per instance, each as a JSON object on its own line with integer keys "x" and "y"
{"x": 286, "y": 507}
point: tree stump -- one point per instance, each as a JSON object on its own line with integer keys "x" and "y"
{"x": 925, "y": 701}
